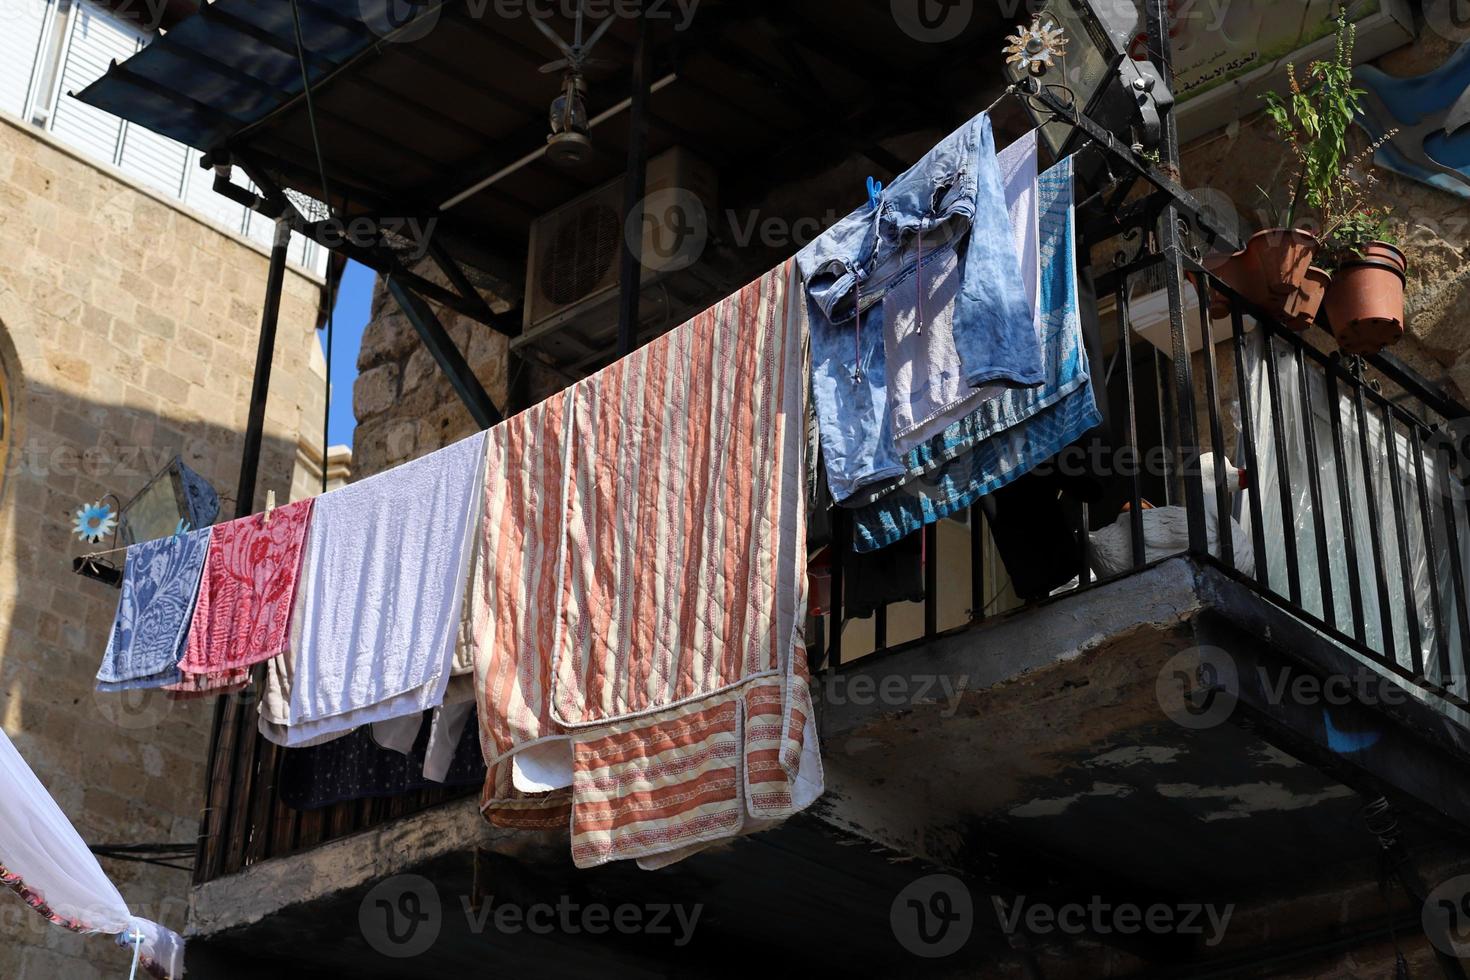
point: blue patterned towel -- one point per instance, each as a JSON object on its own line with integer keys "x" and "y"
{"x": 1020, "y": 429}
{"x": 160, "y": 584}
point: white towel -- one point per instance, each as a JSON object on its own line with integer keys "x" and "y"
{"x": 947, "y": 398}
{"x": 381, "y": 593}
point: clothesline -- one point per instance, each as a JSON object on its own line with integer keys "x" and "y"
{"x": 621, "y": 606}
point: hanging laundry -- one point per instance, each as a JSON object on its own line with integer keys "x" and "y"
{"x": 447, "y": 721}
{"x": 641, "y": 592}
{"x": 874, "y": 579}
{"x": 45, "y": 862}
{"x": 1036, "y": 522}
{"x": 913, "y": 304}
{"x": 928, "y": 390}
{"x": 378, "y": 608}
{"x": 984, "y": 414}
{"x": 1039, "y": 422}
{"x": 243, "y": 615}
{"x": 355, "y": 767}
{"x": 160, "y": 586}
{"x": 1019, "y": 165}
{"x": 200, "y": 497}
{"x": 1034, "y": 535}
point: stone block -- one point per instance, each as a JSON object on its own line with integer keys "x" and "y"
{"x": 375, "y": 390}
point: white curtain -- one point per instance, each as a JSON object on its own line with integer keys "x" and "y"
{"x": 50, "y": 867}
{"x": 1267, "y": 482}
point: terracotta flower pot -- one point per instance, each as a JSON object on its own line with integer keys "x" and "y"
{"x": 1366, "y": 302}
{"x": 1281, "y": 258}
{"x": 1274, "y": 271}
{"x": 1229, "y": 270}
{"x": 1299, "y": 309}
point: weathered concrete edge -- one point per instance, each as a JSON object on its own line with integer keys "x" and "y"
{"x": 268, "y": 888}
{"x": 1030, "y": 639}
{"x": 1162, "y": 595}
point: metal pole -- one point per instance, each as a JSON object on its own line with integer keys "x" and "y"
{"x": 1194, "y": 501}
{"x": 264, "y": 353}
{"x": 636, "y": 184}
{"x": 215, "y": 809}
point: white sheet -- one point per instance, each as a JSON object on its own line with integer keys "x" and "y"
{"x": 47, "y": 858}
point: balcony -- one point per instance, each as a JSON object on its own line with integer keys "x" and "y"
{"x": 1204, "y": 725}
{"x": 1248, "y": 700}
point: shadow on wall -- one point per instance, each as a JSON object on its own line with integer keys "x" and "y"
{"x": 127, "y": 769}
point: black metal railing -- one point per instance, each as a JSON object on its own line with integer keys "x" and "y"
{"x": 1353, "y": 519}
{"x": 1355, "y": 509}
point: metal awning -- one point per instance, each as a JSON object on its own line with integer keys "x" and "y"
{"x": 411, "y": 116}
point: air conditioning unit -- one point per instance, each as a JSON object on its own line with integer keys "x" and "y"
{"x": 575, "y": 259}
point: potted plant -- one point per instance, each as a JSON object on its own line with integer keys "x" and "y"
{"x": 1276, "y": 269}
{"x": 1365, "y": 303}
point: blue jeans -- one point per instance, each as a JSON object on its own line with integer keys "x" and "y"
{"x": 952, "y": 198}
{"x": 1016, "y": 432}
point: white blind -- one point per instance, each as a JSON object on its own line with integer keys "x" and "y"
{"x": 94, "y": 42}
{"x": 155, "y": 160}
{"x": 199, "y": 195}
{"x": 22, "y": 26}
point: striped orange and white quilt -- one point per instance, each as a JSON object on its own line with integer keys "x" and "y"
{"x": 640, "y": 593}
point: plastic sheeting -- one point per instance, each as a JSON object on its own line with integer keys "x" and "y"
{"x": 1408, "y": 595}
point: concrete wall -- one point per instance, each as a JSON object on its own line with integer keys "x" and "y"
{"x": 128, "y": 333}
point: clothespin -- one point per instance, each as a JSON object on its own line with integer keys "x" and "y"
{"x": 182, "y": 528}
{"x": 270, "y": 505}
{"x": 137, "y": 937}
{"x": 875, "y": 188}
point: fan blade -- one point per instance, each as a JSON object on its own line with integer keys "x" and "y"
{"x": 552, "y": 36}
{"x": 554, "y": 66}
{"x": 602, "y": 29}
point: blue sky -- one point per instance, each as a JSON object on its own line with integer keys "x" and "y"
{"x": 354, "y": 306}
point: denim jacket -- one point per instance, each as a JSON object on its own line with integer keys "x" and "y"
{"x": 951, "y": 199}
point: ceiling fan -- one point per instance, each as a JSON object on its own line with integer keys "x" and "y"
{"x": 569, "y": 143}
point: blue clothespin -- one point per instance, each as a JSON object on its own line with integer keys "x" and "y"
{"x": 875, "y": 188}
{"x": 182, "y": 528}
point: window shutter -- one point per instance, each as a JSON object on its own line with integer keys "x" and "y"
{"x": 22, "y": 27}
{"x": 95, "y": 41}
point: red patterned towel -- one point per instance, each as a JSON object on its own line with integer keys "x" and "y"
{"x": 243, "y": 616}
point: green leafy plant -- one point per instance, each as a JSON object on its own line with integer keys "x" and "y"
{"x": 1313, "y": 121}
{"x": 1353, "y": 234}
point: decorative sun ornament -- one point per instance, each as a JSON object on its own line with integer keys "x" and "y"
{"x": 1035, "y": 47}
{"x": 94, "y": 522}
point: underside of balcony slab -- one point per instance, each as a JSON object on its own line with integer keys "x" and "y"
{"x": 1144, "y": 743}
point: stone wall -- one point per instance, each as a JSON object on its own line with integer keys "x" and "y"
{"x": 128, "y": 333}
{"x": 404, "y": 404}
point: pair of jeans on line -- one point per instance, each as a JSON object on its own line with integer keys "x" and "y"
{"x": 937, "y": 253}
